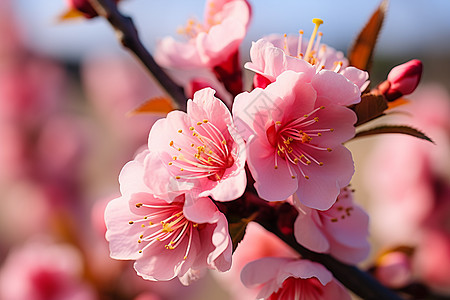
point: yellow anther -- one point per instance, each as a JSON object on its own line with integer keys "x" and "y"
{"x": 329, "y": 149}
{"x": 139, "y": 241}
{"x": 177, "y": 177}
{"x": 131, "y": 222}
{"x": 174, "y": 158}
{"x": 308, "y": 162}
{"x": 305, "y": 116}
{"x": 322, "y": 107}
{"x": 195, "y": 225}
{"x": 191, "y": 128}
{"x": 171, "y": 143}
{"x": 278, "y": 122}
{"x": 316, "y": 119}
{"x": 167, "y": 227}
{"x": 150, "y": 223}
{"x": 293, "y": 177}
{"x": 140, "y": 251}
{"x": 205, "y": 121}
{"x": 210, "y": 152}
{"x": 181, "y": 169}
{"x": 143, "y": 225}
{"x": 192, "y": 145}
{"x": 179, "y": 149}
{"x": 334, "y": 220}
{"x": 138, "y": 205}
{"x": 295, "y": 160}
{"x": 306, "y": 177}
{"x": 331, "y": 129}
{"x": 209, "y": 159}
{"x": 319, "y": 134}
{"x": 180, "y": 131}
{"x": 320, "y": 163}
{"x": 224, "y": 142}
{"x": 170, "y": 163}
{"x": 141, "y": 236}
{"x": 199, "y": 123}
{"x": 145, "y": 218}
{"x": 275, "y": 167}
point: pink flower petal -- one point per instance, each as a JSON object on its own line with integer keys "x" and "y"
{"x": 336, "y": 88}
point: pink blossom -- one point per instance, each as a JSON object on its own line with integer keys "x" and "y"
{"x": 402, "y": 80}
{"x": 294, "y": 130}
{"x": 341, "y": 231}
{"x": 274, "y": 54}
{"x": 199, "y": 151}
{"x": 211, "y": 43}
{"x": 257, "y": 243}
{"x": 285, "y": 278}
{"x": 166, "y": 238}
{"x": 41, "y": 270}
{"x": 393, "y": 269}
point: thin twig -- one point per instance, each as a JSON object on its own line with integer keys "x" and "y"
{"x": 128, "y": 36}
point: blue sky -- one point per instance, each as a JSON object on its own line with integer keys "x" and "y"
{"x": 412, "y": 28}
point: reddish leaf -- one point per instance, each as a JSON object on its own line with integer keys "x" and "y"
{"x": 360, "y": 54}
{"x": 159, "y": 105}
{"x": 371, "y": 107}
{"x": 70, "y": 14}
{"x": 398, "y": 102}
{"x": 394, "y": 129}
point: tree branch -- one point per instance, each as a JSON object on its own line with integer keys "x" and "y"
{"x": 128, "y": 36}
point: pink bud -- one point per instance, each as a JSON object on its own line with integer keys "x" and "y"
{"x": 394, "y": 269}
{"x": 403, "y": 79}
{"x": 85, "y": 7}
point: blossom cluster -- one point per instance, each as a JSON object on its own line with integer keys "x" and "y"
{"x": 289, "y": 130}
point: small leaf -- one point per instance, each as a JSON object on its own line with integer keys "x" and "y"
{"x": 394, "y": 129}
{"x": 160, "y": 105}
{"x": 237, "y": 229}
{"x": 371, "y": 107}
{"x": 70, "y": 14}
{"x": 398, "y": 102}
{"x": 360, "y": 54}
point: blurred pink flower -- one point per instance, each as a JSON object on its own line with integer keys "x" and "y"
{"x": 211, "y": 43}
{"x": 200, "y": 149}
{"x": 341, "y": 231}
{"x": 402, "y": 80}
{"x": 44, "y": 271}
{"x": 294, "y": 130}
{"x": 393, "y": 269}
{"x": 285, "y": 278}
{"x": 410, "y": 204}
{"x": 166, "y": 238}
{"x": 274, "y": 54}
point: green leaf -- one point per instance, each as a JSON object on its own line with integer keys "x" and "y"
{"x": 360, "y": 54}
{"x": 394, "y": 129}
{"x": 237, "y": 229}
{"x": 371, "y": 107}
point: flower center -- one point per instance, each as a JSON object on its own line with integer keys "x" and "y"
{"x": 164, "y": 223}
{"x": 314, "y": 52}
{"x": 339, "y": 210}
{"x": 293, "y": 142}
{"x": 298, "y": 288}
{"x": 204, "y": 153}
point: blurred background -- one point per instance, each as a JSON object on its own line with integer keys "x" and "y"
{"x": 66, "y": 88}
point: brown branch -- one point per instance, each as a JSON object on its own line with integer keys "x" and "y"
{"x": 272, "y": 216}
{"x": 128, "y": 36}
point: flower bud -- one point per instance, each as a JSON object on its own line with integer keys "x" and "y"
{"x": 85, "y": 7}
{"x": 402, "y": 80}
